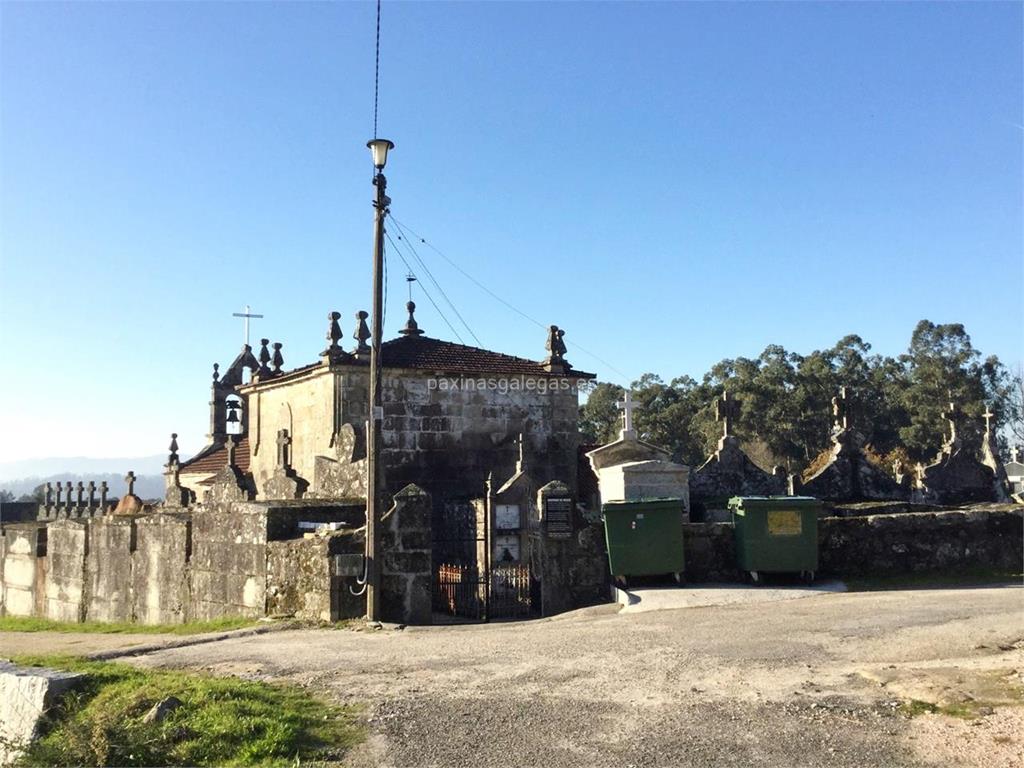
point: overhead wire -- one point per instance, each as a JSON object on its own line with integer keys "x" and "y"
{"x": 406, "y": 229}
{"x": 425, "y": 291}
{"x": 412, "y": 249}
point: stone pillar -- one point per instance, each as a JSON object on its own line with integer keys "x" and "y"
{"x": 552, "y": 547}
{"x": 406, "y": 541}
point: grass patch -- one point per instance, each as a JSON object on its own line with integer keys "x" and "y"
{"x": 31, "y": 624}
{"x": 222, "y": 721}
{"x": 931, "y": 580}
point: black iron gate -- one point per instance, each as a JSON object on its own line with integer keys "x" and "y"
{"x": 466, "y": 584}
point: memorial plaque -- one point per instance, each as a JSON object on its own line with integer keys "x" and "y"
{"x": 506, "y": 549}
{"x": 558, "y": 517}
{"x": 507, "y": 517}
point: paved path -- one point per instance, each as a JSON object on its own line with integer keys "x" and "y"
{"x": 704, "y": 595}
{"x": 811, "y": 682}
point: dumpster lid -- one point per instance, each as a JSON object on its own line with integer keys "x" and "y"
{"x": 651, "y": 500}
{"x": 773, "y": 501}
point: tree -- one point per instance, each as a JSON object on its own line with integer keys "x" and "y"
{"x": 599, "y": 416}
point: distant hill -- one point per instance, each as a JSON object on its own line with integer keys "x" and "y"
{"x": 146, "y": 486}
{"x": 80, "y": 465}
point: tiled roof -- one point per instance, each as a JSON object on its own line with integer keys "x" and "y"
{"x": 424, "y": 352}
{"x": 214, "y": 460}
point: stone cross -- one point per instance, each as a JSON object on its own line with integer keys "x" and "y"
{"x": 518, "y": 442}
{"x": 231, "y": 451}
{"x": 246, "y": 314}
{"x": 48, "y": 494}
{"x": 103, "y": 495}
{"x": 627, "y": 406}
{"x": 130, "y": 480}
{"x": 727, "y": 411}
{"x": 79, "y": 494}
{"x": 67, "y": 495}
{"x": 92, "y": 494}
{"x": 1015, "y": 454}
{"x": 840, "y": 410}
{"x": 283, "y": 441}
{"x": 988, "y": 416}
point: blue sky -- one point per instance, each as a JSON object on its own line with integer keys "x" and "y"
{"x": 671, "y": 183}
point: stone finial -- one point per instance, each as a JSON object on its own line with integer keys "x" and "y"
{"x": 627, "y": 406}
{"x": 411, "y": 328}
{"x": 334, "y": 334}
{"x": 283, "y": 442}
{"x": 92, "y": 494}
{"x": 727, "y": 411}
{"x": 362, "y": 334}
{"x": 172, "y": 457}
{"x": 231, "y": 446}
{"x": 840, "y": 411}
{"x": 216, "y": 372}
{"x": 129, "y": 479}
{"x": 264, "y": 369}
{"x": 555, "y": 345}
{"x": 278, "y": 359}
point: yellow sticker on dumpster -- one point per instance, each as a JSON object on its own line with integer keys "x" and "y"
{"x": 784, "y": 522}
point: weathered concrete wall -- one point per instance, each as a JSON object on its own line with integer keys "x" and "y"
{"x": 160, "y": 576}
{"x": 23, "y": 570}
{"x": 66, "y": 549}
{"x": 108, "y": 569}
{"x": 228, "y": 571}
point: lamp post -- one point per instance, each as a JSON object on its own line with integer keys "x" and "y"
{"x": 379, "y": 150}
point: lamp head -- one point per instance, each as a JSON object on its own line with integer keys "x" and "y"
{"x": 379, "y": 150}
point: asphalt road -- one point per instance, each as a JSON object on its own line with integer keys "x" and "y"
{"x": 809, "y": 682}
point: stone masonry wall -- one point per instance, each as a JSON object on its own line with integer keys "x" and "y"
{"x": 406, "y": 533}
{"x": 108, "y": 569}
{"x": 160, "y": 576}
{"x": 229, "y": 561}
{"x": 66, "y": 549}
{"x": 309, "y": 578}
{"x": 23, "y": 570}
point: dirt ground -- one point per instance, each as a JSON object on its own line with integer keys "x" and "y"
{"x": 820, "y": 681}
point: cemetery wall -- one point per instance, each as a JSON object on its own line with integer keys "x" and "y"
{"x": 66, "y": 548}
{"x": 907, "y": 542}
{"x": 174, "y": 567}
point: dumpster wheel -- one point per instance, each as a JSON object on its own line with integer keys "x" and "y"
{"x": 755, "y": 577}
{"x": 807, "y": 576}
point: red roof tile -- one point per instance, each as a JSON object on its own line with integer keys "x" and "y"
{"x": 216, "y": 459}
{"x": 423, "y": 352}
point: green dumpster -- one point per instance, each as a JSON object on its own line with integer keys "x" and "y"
{"x": 776, "y": 534}
{"x": 644, "y": 537}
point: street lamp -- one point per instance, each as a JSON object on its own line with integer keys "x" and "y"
{"x": 379, "y": 150}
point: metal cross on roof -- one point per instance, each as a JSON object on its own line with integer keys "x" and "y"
{"x": 627, "y": 406}
{"x": 246, "y": 314}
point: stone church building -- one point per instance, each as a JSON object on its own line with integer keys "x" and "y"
{"x": 452, "y": 417}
